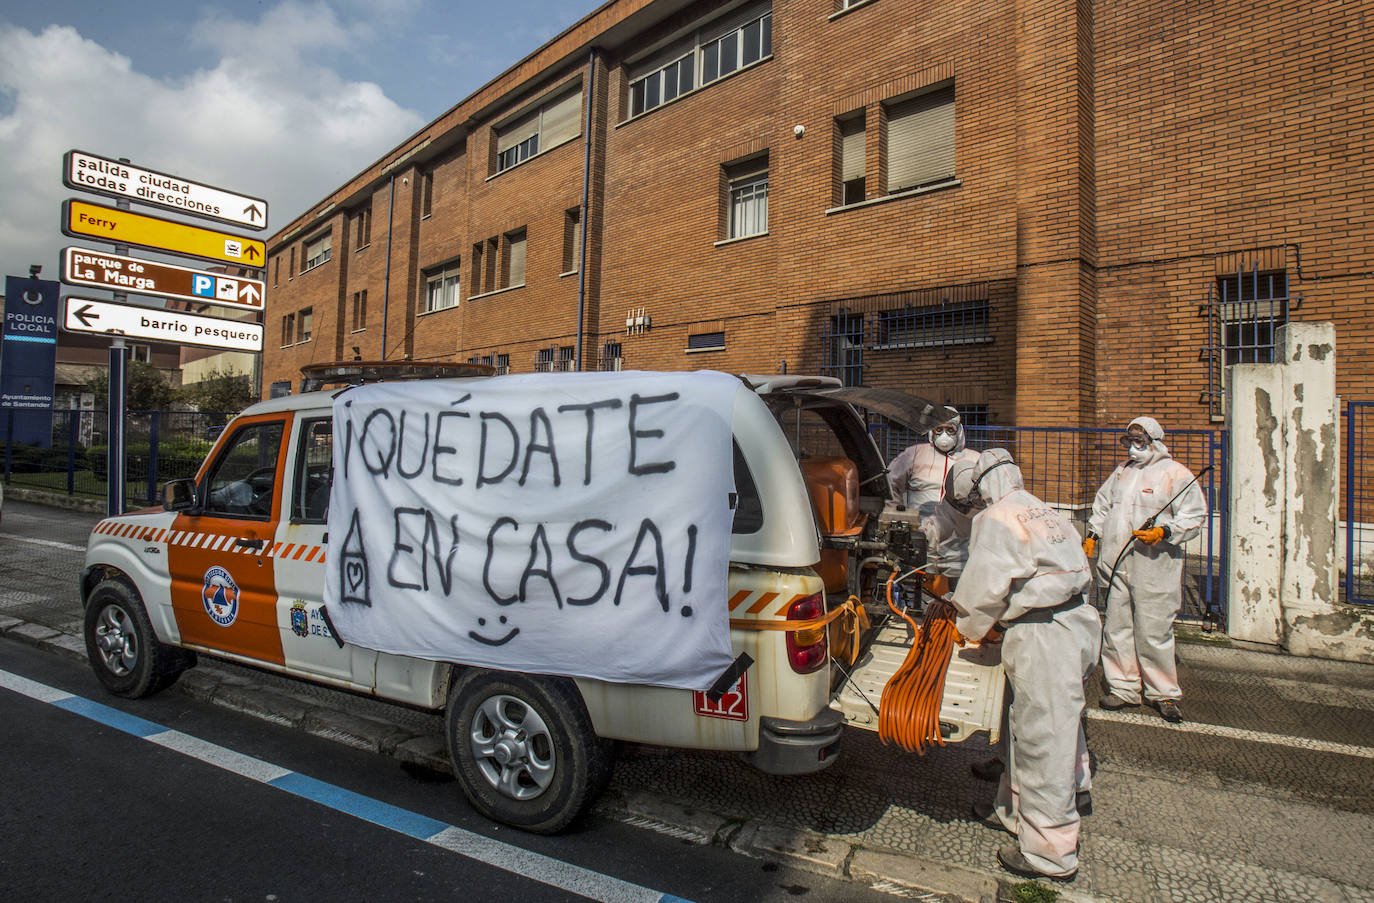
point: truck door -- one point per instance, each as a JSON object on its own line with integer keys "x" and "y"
{"x": 224, "y": 592}
{"x": 298, "y": 556}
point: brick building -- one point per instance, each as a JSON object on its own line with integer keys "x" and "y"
{"x": 1042, "y": 211}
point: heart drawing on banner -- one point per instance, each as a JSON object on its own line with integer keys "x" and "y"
{"x": 355, "y": 573}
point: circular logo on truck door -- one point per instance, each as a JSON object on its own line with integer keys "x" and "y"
{"x": 221, "y": 596}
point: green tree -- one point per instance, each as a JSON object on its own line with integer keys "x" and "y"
{"x": 220, "y": 390}
{"x": 145, "y": 388}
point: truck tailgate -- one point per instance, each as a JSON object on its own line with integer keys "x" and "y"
{"x": 973, "y": 685}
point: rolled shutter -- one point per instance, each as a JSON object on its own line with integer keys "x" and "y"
{"x": 517, "y": 131}
{"x": 852, "y": 149}
{"x": 562, "y": 120}
{"x": 920, "y": 140}
{"x": 517, "y": 260}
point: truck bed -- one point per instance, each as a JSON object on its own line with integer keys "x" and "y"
{"x": 973, "y": 686}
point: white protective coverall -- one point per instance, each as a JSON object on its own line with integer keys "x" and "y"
{"x": 1025, "y": 569}
{"x": 917, "y": 474}
{"x": 947, "y": 528}
{"x": 1145, "y": 597}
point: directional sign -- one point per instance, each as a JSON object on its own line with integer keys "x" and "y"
{"x": 121, "y": 227}
{"x": 101, "y": 175}
{"x": 157, "y": 325}
{"x": 97, "y": 269}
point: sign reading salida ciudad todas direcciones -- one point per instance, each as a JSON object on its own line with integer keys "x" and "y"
{"x": 123, "y": 227}
{"x": 158, "y": 325}
{"x": 97, "y": 269}
{"x": 571, "y": 523}
{"x": 101, "y": 175}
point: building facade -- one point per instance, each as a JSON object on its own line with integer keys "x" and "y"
{"x": 1044, "y": 212}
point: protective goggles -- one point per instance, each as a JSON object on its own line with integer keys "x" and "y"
{"x": 947, "y": 429}
{"x": 1138, "y": 440}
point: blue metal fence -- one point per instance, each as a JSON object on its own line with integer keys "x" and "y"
{"x": 1357, "y": 514}
{"x": 160, "y": 446}
{"x": 1066, "y": 466}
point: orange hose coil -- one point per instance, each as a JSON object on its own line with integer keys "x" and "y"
{"x": 909, "y": 711}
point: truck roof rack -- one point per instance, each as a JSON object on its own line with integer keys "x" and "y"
{"x": 354, "y": 373}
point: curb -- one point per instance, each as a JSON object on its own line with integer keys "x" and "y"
{"x": 94, "y": 505}
{"x": 887, "y": 871}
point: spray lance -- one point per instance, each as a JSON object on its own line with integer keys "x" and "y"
{"x": 1150, "y": 522}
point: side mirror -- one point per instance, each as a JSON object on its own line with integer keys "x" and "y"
{"x": 179, "y": 495}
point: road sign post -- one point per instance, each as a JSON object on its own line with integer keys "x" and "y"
{"x": 114, "y": 459}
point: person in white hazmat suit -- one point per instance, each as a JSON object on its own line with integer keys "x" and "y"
{"x": 1147, "y": 591}
{"x": 917, "y": 474}
{"x": 1027, "y": 574}
{"x": 947, "y": 527}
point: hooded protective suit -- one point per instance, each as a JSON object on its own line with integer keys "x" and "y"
{"x": 1145, "y": 597}
{"x": 947, "y": 527}
{"x": 917, "y": 474}
{"x": 1027, "y": 571}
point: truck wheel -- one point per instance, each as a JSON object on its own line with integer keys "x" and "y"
{"x": 124, "y": 653}
{"x": 523, "y": 748}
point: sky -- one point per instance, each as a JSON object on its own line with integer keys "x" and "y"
{"x": 279, "y": 99}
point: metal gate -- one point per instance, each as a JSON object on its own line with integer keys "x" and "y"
{"x": 1357, "y": 513}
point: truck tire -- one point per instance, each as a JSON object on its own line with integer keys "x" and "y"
{"x": 123, "y": 650}
{"x": 523, "y": 748}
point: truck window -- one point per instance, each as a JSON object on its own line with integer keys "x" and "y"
{"x": 314, "y": 472}
{"x": 810, "y": 433}
{"x": 748, "y": 506}
{"x": 243, "y": 480}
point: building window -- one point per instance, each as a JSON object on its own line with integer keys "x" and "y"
{"x": 141, "y": 353}
{"x": 291, "y": 269}
{"x": 572, "y": 240}
{"x": 441, "y": 288}
{"x": 279, "y": 389}
{"x": 315, "y": 252}
{"x": 844, "y": 348}
{"x": 276, "y": 271}
{"x": 974, "y": 416}
{"x": 305, "y": 323}
{"x": 713, "y": 52}
{"x": 362, "y": 228}
{"x": 1251, "y": 308}
{"x": 426, "y": 194}
{"x": 567, "y": 359}
{"x": 502, "y": 364}
{"x": 935, "y": 325}
{"x": 852, "y": 165}
{"x": 920, "y": 139}
{"x": 747, "y": 201}
{"x": 288, "y": 330}
{"x": 706, "y": 341}
{"x": 612, "y": 357}
{"x": 360, "y": 310}
{"x": 543, "y": 360}
{"x": 548, "y": 125}
{"x": 514, "y": 259}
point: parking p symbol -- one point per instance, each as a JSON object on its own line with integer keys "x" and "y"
{"x": 203, "y": 286}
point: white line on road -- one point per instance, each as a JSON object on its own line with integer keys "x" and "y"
{"x": 43, "y": 542}
{"x": 498, "y": 854}
{"x": 1234, "y": 733}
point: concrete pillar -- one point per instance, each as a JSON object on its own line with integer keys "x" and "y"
{"x": 1285, "y": 451}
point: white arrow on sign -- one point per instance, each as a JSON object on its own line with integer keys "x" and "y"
{"x": 157, "y": 325}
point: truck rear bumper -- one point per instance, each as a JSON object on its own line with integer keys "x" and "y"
{"x": 797, "y": 747}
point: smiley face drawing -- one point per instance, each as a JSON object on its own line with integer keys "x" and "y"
{"x": 488, "y": 641}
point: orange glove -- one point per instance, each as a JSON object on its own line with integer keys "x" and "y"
{"x": 1089, "y": 546}
{"x": 994, "y": 636}
{"x": 937, "y": 584}
{"x": 1150, "y": 536}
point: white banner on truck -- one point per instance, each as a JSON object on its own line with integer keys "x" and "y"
{"x": 569, "y": 523}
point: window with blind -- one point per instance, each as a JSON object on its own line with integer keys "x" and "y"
{"x": 747, "y": 202}
{"x": 441, "y": 288}
{"x": 545, "y": 127}
{"x": 920, "y": 139}
{"x": 515, "y": 259}
{"x": 316, "y": 252}
{"x": 853, "y": 181}
{"x": 708, "y": 54}
{"x": 572, "y": 240}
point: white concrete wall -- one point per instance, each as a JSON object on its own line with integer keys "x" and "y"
{"x": 1283, "y": 586}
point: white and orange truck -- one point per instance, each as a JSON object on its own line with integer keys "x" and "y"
{"x": 233, "y": 565}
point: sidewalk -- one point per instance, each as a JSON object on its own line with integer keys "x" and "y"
{"x": 1265, "y": 794}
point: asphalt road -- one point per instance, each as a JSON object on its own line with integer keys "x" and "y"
{"x": 93, "y": 812}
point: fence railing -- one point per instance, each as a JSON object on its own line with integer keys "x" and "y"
{"x": 1357, "y": 503}
{"x": 159, "y": 446}
{"x": 1066, "y": 466}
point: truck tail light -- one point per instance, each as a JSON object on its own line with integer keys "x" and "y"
{"x": 806, "y": 649}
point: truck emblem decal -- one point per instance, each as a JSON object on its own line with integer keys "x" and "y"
{"x": 220, "y": 594}
{"x": 300, "y": 624}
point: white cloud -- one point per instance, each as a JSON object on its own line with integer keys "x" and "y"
{"x": 261, "y": 117}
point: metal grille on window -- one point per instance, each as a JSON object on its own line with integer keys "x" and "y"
{"x": 1245, "y": 308}
{"x": 612, "y": 357}
{"x": 842, "y": 341}
{"x": 950, "y": 322}
{"x": 567, "y": 358}
{"x": 544, "y": 360}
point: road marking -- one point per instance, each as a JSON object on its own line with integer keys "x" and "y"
{"x": 43, "y": 542}
{"x": 498, "y": 854}
{"x": 1234, "y": 733}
